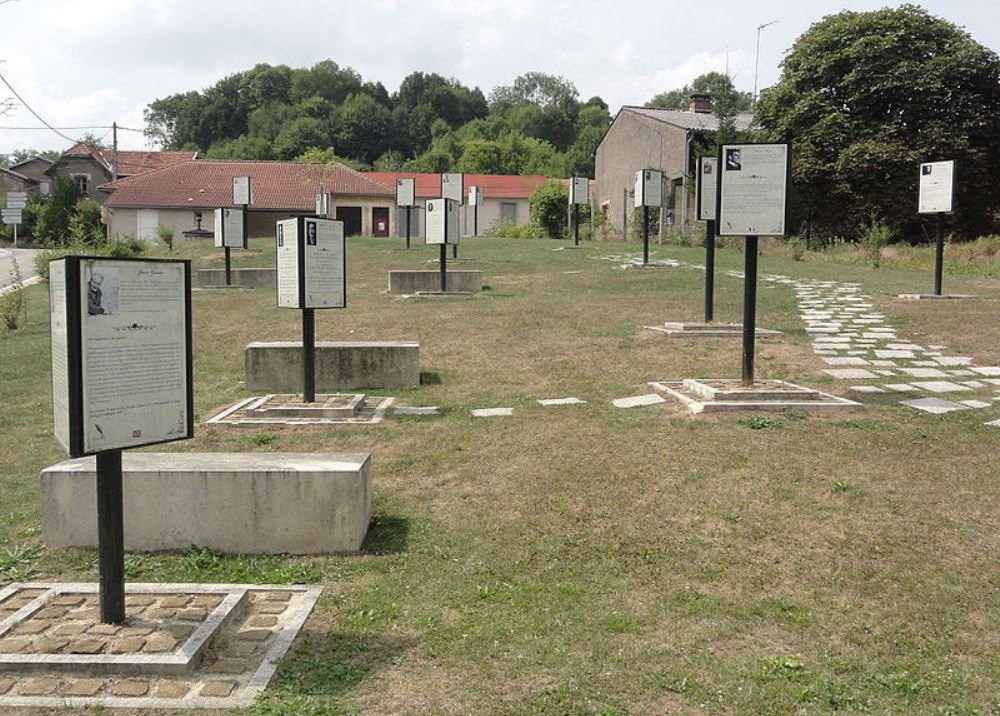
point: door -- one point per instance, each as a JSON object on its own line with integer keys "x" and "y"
{"x": 380, "y": 221}
{"x": 508, "y": 213}
{"x": 147, "y": 222}
{"x": 351, "y": 216}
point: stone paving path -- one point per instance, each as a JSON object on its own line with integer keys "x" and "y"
{"x": 857, "y": 343}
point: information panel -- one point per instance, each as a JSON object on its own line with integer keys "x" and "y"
{"x": 937, "y": 187}
{"x": 242, "y": 191}
{"x": 453, "y": 187}
{"x": 121, "y": 353}
{"x": 405, "y": 192}
{"x": 325, "y": 256}
{"x": 648, "y": 188}
{"x": 579, "y": 191}
{"x": 752, "y": 197}
{"x": 230, "y": 229}
{"x": 441, "y": 222}
{"x": 476, "y": 196}
{"x": 708, "y": 186}
{"x": 287, "y": 272}
{"x": 324, "y": 201}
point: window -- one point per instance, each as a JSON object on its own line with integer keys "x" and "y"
{"x": 82, "y": 182}
{"x": 508, "y": 212}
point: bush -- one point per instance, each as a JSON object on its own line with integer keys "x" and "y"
{"x": 874, "y": 240}
{"x": 166, "y": 235}
{"x": 507, "y": 230}
{"x": 116, "y": 247}
{"x": 13, "y": 299}
{"x": 797, "y": 247}
{"x": 548, "y": 209}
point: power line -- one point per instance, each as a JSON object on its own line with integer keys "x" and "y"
{"x": 33, "y": 112}
{"x": 70, "y": 129}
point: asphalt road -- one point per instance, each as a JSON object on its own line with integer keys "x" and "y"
{"x": 25, "y": 261}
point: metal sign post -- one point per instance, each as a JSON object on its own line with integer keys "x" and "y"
{"x": 111, "y": 536}
{"x": 579, "y": 193}
{"x": 648, "y": 192}
{"x": 709, "y": 271}
{"x": 705, "y": 193}
{"x": 441, "y": 228}
{"x": 453, "y": 187}
{"x": 939, "y": 256}
{"x": 243, "y": 198}
{"x": 751, "y": 201}
{"x": 937, "y": 196}
{"x": 406, "y": 197}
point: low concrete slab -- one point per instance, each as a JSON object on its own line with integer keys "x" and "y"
{"x": 714, "y": 396}
{"x": 277, "y": 367}
{"x": 680, "y": 329}
{"x": 241, "y": 277}
{"x": 417, "y": 281}
{"x": 245, "y": 503}
{"x": 935, "y": 297}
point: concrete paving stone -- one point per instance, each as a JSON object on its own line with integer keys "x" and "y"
{"x": 160, "y": 644}
{"x": 884, "y": 363}
{"x": 425, "y": 410}
{"x": 271, "y": 607}
{"x": 992, "y": 381}
{"x": 128, "y": 645}
{"x": 990, "y": 370}
{"x": 12, "y": 645}
{"x": 925, "y": 372}
{"x": 180, "y": 632}
{"x": 82, "y": 687}
{"x": 105, "y": 629}
{"x": 973, "y": 384}
{"x": 240, "y": 650}
{"x": 638, "y": 401}
{"x": 846, "y": 360}
{"x": 87, "y": 615}
{"x": 562, "y": 401}
{"x": 953, "y": 360}
{"x": 136, "y": 631}
{"x": 5, "y": 685}
{"x": 994, "y": 423}
{"x": 38, "y": 686}
{"x": 866, "y": 389}
{"x": 925, "y": 363}
{"x": 192, "y": 615}
{"x": 175, "y": 602}
{"x": 131, "y": 688}
{"x": 941, "y": 386}
{"x": 29, "y": 628}
{"x": 87, "y": 646}
{"x": 265, "y": 622}
{"x": 976, "y": 403}
{"x": 961, "y": 373}
{"x": 171, "y": 690}
{"x": 158, "y": 614}
{"x": 493, "y": 412}
{"x": 254, "y": 635}
{"x": 934, "y": 406}
{"x": 227, "y": 666}
{"x": 857, "y": 353}
{"x": 894, "y": 354}
{"x": 886, "y": 373}
{"x": 850, "y": 373}
{"x": 937, "y": 348}
{"x": 50, "y": 645}
{"x": 901, "y": 387}
{"x": 51, "y": 613}
{"x": 139, "y": 600}
{"x": 217, "y": 689}
{"x": 67, "y": 600}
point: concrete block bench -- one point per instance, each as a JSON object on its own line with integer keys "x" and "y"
{"x": 417, "y": 281}
{"x": 241, "y": 277}
{"x": 277, "y": 367}
{"x": 240, "y": 503}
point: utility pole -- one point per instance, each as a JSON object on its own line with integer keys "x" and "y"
{"x": 756, "y": 61}
{"x": 114, "y": 151}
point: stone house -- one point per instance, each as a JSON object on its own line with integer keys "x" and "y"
{"x": 91, "y": 167}
{"x": 652, "y": 138}
{"x": 505, "y": 199}
{"x": 184, "y": 196}
{"x": 35, "y": 169}
{"x": 11, "y": 180}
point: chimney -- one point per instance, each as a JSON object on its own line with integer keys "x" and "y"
{"x": 700, "y": 103}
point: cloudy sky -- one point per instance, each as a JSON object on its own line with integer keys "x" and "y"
{"x": 90, "y": 63}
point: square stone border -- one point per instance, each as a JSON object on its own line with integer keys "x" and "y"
{"x": 825, "y": 402}
{"x": 225, "y": 417}
{"x": 241, "y": 698}
{"x": 179, "y": 663}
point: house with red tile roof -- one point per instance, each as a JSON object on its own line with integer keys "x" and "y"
{"x": 184, "y": 196}
{"x": 505, "y": 199}
{"x": 90, "y": 167}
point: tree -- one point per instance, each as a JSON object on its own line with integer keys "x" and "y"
{"x": 548, "y": 208}
{"x": 53, "y": 220}
{"x": 865, "y": 96}
{"x": 716, "y": 84}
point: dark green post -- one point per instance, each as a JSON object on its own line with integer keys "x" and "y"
{"x": 443, "y": 263}
{"x": 111, "y": 536}
{"x": 407, "y": 227}
{"x": 939, "y": 256}
{"x": 229, "y": 280}
{"x": 645, "y": 235}
{"x": 709, "y": 271}
{"x": 308, "y": 355}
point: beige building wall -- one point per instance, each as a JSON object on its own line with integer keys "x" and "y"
{"x": 95, "y": 174}
{"x": 632, "y": 143}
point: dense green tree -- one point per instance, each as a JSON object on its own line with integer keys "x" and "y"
{"x": 243, "y": 147}
{"x": 325, "y": 79}
{"x": 548, "y": 209}
{"x": 864, "y": 97}
{"x": 716, "y": 84}
{"x": 299, "y": 135}
{"x": 365, "y": 128}
{"x": 53, "y": 218}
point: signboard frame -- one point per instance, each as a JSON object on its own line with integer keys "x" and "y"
{"x": 925, "y": 203}
{"x": 406, "y": 192}
{"x": 576, "y": 185}
{"x": 449, "y": 228}
{"x": 301, "y": 259}
{"x": 242, "y": 191}
{"x": 68, "y": 276}
{"x": 476, "y": 196}
{"x": 646, "y": 179}
{"x": 222, "y": 239}
{"x": 706, "y": 211}
{"x": 448, "y": 182}
{"x": 721, "y": 199}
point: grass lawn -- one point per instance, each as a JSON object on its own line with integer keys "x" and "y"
{"x": 585, "y": 559}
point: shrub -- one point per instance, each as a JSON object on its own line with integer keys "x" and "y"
{"x": 12, "y": 300}
{"x": 117, "y": 247}
{"x": 507, "y": 230}
{"x": 166, "y": 235}
{"x": 874, "y": 240}
{"x": 797, "y": 247}
{"x": 548, "y": 209}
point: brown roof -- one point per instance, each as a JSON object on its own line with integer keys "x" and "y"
{"x": 130, "y": 162}
{"x": 204, "y": 184}
{"x": 686, "y": 119}
{"x": 494, "y": 186}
